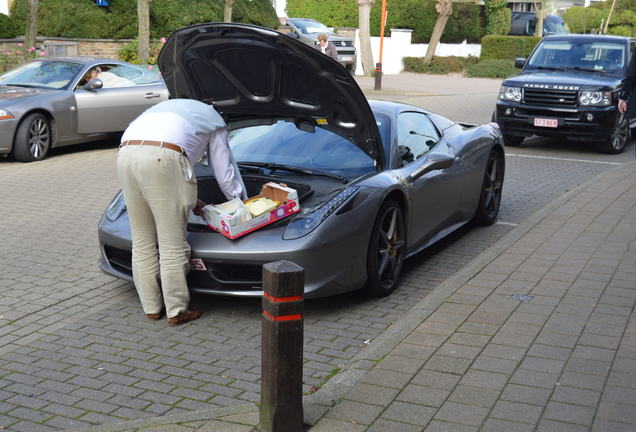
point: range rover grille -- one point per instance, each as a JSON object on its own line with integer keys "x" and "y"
{"x": 563, "y": 98}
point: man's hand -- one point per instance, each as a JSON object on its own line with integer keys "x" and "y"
{"x": 622, "y": 106}
{"x": 198, "y": 209}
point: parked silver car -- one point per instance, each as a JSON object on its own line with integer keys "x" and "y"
{"x": 377, "y": 182}
{"x": 307, "y": 30}
{"x": 54, "y": 102}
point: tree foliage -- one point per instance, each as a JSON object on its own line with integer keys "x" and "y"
{"x": 9, "y": 27}
{"x": 498, "y": 17}
{"x": 82, "y": 19}
{"x": 466, "y": 23}
{"x": 583, "y": 19}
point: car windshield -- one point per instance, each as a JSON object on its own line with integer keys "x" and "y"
{"x": 590, "y": 56}
{"x": 42, "y": 74}
{"x": 284, "y": 144}
{"x": 309, "y": 26}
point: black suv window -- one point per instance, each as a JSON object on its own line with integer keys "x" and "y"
{"x": 594, "y": 56}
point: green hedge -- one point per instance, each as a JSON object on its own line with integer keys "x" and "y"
{"x": 622, "y": 22}
{"x": 438, "y": 65}
{"x": 466, "y": 23}
{"x": 82, "y": 19}
{"x": 9, "y": 27}
{"x": 492, "y": 69}
{"x": 507, "y": 47}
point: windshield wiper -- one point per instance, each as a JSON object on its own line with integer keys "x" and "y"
{"x": 17, "y": 85}
{"x": 549, "y": 68}
{"x": 274, "y": 167}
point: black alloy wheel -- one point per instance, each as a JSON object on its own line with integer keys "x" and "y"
{"x": 386, "y": 250}
{"x": 616, "y": 143}
{"x": 491, "y": 190}
{"x": 512, "y": 141}
{"x": 32, "y": 139}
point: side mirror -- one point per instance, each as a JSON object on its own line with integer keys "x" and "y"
{"x": 432, "y": 162}
{"x": 520, "y": 63}
{"x": 93, "y": 84}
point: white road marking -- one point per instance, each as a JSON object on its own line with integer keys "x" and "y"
{"x": 564, "y": 159}
{"x": 506, "y": 223}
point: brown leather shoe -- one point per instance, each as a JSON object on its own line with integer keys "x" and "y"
{"x": 184, "y": 317}
{"x": 154, "y": 316}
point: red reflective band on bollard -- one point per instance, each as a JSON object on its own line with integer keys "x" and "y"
{"x": 281, "y": 299}
{"x": 271, "y": 317}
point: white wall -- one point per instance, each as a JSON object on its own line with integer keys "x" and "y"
{"x": 399, "y": 45}
{"x": 4, "y": 7}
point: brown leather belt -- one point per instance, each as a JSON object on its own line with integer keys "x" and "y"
{"x": 154, "y": 144}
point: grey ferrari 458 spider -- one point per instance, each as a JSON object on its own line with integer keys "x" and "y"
{"x": 377, "y": 181}
{"x": 53, "y": 102}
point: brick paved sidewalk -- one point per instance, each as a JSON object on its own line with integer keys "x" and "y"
{"x": 537, "y": 333}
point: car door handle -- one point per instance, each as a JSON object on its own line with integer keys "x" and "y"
{"x": 151, "y": 95}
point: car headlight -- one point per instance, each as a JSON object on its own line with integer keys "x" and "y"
{"x": 116, "y": 208}
{"x": 4, "y": 114}
{"x": 595, "y": 98}
{"x": 307, "y": 221}
{"x": 510, "y": 93}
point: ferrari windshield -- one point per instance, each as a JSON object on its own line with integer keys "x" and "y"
{"x": 284, "y": 144}
{"x": 589, "y": 56}
{"x": 53, "y": 74}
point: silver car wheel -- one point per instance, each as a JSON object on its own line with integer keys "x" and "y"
{"x": 32, "y": 139}
{"x": 39, "y": 137}
{"x": 386, "y": 250}
{"x": 491, "y": 190}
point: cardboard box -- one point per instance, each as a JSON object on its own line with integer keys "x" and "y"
{"x": 232, "y": 226}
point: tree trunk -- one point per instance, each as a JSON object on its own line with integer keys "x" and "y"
{"x": 444, "y": 11}
{"x": 538, "y": 31}
{"x": 227, "y": 10}
{"x": 364, "y": 14}
{"x": 143, "y": 38}
{"x": 32, "y": 25}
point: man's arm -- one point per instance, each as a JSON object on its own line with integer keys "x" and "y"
{"x": 219, "y": 157}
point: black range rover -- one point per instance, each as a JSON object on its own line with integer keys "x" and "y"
{"x": 568, "y": 87}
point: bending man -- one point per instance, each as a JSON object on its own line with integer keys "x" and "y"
{"x": 158, "y": 150}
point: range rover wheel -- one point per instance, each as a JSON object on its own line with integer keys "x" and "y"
{"x": 32, "y": 139}
{"x": 386, "y": 251}
{"x": 616, "y": 143}
{"x": 491, "y": 189}
{"x": 512, "y": 141}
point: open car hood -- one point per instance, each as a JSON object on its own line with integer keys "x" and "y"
{"x": 255, "y": 75}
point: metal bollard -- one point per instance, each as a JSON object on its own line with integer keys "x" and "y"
{"x": 378, "y": 77}
{"x": 281, "y": 407}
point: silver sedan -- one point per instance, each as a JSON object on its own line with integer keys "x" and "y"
{"x": 54, "y": 102}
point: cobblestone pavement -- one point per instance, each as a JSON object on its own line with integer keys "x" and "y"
{"x": 77, "y": 350}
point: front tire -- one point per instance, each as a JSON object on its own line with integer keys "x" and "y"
{"x": 616, "y": 143}
{"x": 386, "y": 250}
{"x": 491, "y": 190}
{"x": 32, "y": 139}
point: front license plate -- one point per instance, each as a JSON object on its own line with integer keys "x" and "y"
{"x": 542, "y": 122}
{"x": 347, "y": 58}
{"x": 197, "y": 264}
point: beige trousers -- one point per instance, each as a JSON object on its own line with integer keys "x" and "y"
{"x": 158, "y": 199}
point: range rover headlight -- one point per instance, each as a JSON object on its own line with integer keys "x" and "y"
{"x": 307, "y": 221}
{"x": 595, "y": 98}
{"x": 510, "y": 93}
{"x": 116, "y": 208}
{"x": 4, "y": 114}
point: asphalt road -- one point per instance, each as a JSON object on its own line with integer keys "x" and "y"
{"x": 76, "y": 349}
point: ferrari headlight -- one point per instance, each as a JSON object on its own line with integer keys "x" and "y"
{"x": 116, "y": 208}
{"x": 595, "y": 98}
{"x": 510, "y": 93}
{"x": 4, "y": 114}
{"x": 308, "y": 220}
